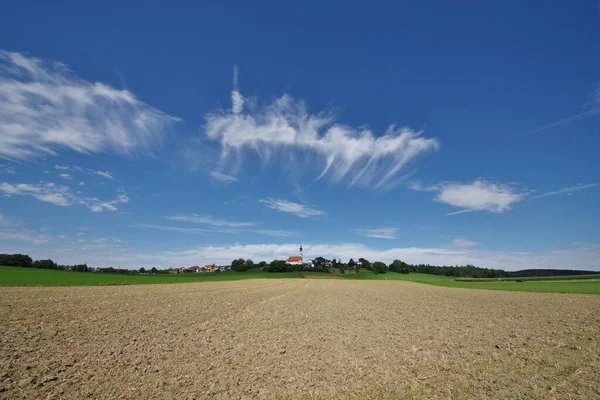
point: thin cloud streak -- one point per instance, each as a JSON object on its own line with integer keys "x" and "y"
{"x": 223, "y": 178}
{"x": 300, "y": 210}
{"x": 61, "y": 195}
{"x": 380, "y": 233}
{"x": 208, "y": 220}
{"x": 581, "y": 115}
{"x": 566, "y": 190}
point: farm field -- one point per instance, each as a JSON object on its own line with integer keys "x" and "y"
{"x": 296, "y": 338}
{"x": 581, "y": 285}
{"x": 13, "y": 276}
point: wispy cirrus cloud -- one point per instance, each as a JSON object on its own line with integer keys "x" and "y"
{"x": 589, "y": 109}
{"x": 65, "y": 176}
{"x": 97, "y": 205}
{"x": 214, "y": 229}
{"x": 7, "y": 169}
{"x": 379, "y": 233}
{"x": 462, "y": 242}
{"x": 45, "y": 108}
{"x": 224, "y": 178}
{"x": 480, "y": 195}
{"x": 273, "y": 232}
{"x": 286, "y": 130}
{"x": 44, "y": 191}
{"x": 168, "y": 228}
{"x": 24, "y": 235}
{"x": 208, "y": 220}
{"x": 104, "y": 174}
{"x": 567, "y": 190}
{"x": 300, "y": 210}
{"x": 61, "y": 195}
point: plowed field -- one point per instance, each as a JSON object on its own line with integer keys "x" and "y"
{"x": 296, "y": 338}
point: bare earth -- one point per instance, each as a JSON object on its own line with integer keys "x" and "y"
{"x": 297, "y": 339}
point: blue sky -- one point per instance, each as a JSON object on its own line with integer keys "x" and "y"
{"x": 152, "y": 135}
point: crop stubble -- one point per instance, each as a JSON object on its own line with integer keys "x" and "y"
{"x": 296, "y": 339}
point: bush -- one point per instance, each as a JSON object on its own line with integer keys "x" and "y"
{"x": 45, "y": 264}
{"x": 239, "y": 265}
{"x": 379, "y": 267}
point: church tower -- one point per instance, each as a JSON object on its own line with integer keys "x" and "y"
{"x": 301, "y": 255}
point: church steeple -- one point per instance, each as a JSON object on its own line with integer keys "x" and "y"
{"x": 301, "y": 256}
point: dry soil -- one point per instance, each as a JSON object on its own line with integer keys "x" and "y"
{"x": 296, "y": 339}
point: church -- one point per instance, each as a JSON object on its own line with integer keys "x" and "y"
{"x": 296, "y": 260}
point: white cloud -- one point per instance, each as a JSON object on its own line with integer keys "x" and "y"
{"x": 9, "y": 230}
{"x": 272, "y": 232}
{"x": 567, "y": 190}
{"x": 224, "y": 178}
{"x": 24, "y": 235}
{"x": 61, "y": 195}
{"x": 98, "y": 206}
{"x": 380, "y": 233}
{"x": 481, "y": 195}
{"x": 168, "y": 228}
{"x": 105, "y": 174}
{"x": 44, "y": 109}
{"x": 342, "y": 153}
{"x": 589, "y": 109}
{"x": 585, "y": 258}
{"x": 65, "y": 176}
{"x": 7, "y": 169}
{"x": 567, "y": 120}
{"x": 208, "y": 220}
{"x": 299, "y": 210}
{"x": 44, "y": 191}
{"x": 461, "y": 242}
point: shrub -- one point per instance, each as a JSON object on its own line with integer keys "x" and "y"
{"x": 379, "y": 267}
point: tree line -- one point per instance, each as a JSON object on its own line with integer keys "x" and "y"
{"x": 25, "y": 261}
{"x": 320, "y": 264}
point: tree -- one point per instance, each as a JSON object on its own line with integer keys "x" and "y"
{"x": 154, "y": 270}
{"x": 380, "y": 267}
{"x": 365, "y": 263}
{"x": 250, "y": 263}
{"x": 351, "y": 263}
{"x": 262, "y": 264}
{"x": 142, "y": 270}
{"x": 239, "y": 265}
{"x": 78, "y": 268}
{"x": 277, "y": 266}
{"x": 45, "y": 264}
{"x": 15, "y": 260}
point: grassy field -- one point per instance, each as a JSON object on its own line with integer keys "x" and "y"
{"x": 590, "y": 286}
{"x": 11, "y": 276}
{"x": 534, "y": 278}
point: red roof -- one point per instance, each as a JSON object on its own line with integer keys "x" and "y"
{"x": 294, "y": 258}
